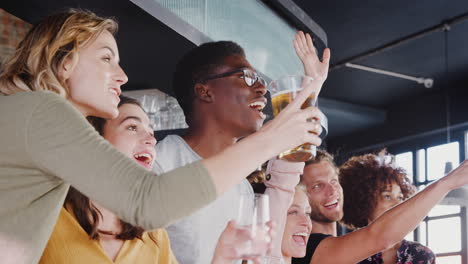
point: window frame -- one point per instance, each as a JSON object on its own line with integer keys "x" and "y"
{"x": 460, "y": 136}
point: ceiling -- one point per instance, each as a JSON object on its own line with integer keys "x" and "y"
{"x": 356, "y": 102}
{"x": 354, "y": 29}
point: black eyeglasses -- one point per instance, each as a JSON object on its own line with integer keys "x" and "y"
{"x": 250, "y": 77}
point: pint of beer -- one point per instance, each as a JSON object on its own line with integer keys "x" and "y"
{"x": 283, "y": 91}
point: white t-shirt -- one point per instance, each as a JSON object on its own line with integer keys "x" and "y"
{"x": 193, "y": 239}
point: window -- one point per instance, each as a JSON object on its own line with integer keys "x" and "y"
{"x": 466, "y": 143}
{"x": 422, "y": 233}
{"x": 439, "y": 232}
{"x": 442, "y": 229}
{"x": 440, "y": 210}
{"x": 437, "y": 158}
{"x": 405, "y": 160}
{"x": 448, "y": 260}
{"x": 421, "y": 165}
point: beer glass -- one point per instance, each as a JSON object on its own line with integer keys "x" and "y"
{"x": 283, "y": 91}
{"x": 253, "y": 215}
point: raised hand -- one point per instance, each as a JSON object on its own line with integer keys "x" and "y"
{"x": 306, "y": 52}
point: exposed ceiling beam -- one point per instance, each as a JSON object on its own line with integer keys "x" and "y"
{"x": 446, "y": 25}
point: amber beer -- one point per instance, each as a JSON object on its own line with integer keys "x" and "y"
{"x": 283, "y": 91}
{"x": 303, "y": 152}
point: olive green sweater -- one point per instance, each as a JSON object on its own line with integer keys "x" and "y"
{"x": 46, "y": 145}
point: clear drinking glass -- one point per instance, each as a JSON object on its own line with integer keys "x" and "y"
{"x": 283, "y": 91}
{"x": 254, "y": 213}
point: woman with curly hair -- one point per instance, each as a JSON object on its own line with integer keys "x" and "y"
{"x": 372, "y": 184}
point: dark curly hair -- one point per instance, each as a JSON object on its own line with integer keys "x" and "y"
{"x": 195, "y": 66}
{"x": 363, "y": 179}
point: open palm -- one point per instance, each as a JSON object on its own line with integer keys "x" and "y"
{"x": 306, "y": 52}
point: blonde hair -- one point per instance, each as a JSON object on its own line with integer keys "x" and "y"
{"x": 47, "y": 46}
{"x": 301, "y": 187}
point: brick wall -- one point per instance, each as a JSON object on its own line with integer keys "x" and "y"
{"x": 12, "y": 31}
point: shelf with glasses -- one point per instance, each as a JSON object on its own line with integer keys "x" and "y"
{"x": 163, "y": 110}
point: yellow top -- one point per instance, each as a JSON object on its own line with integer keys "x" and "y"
{"x": 70, "y": 244}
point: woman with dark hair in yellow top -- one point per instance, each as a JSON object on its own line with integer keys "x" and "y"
{"x": 85, "y": 231}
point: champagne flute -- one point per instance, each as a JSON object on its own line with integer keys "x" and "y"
{"x": 254, "y": 213}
